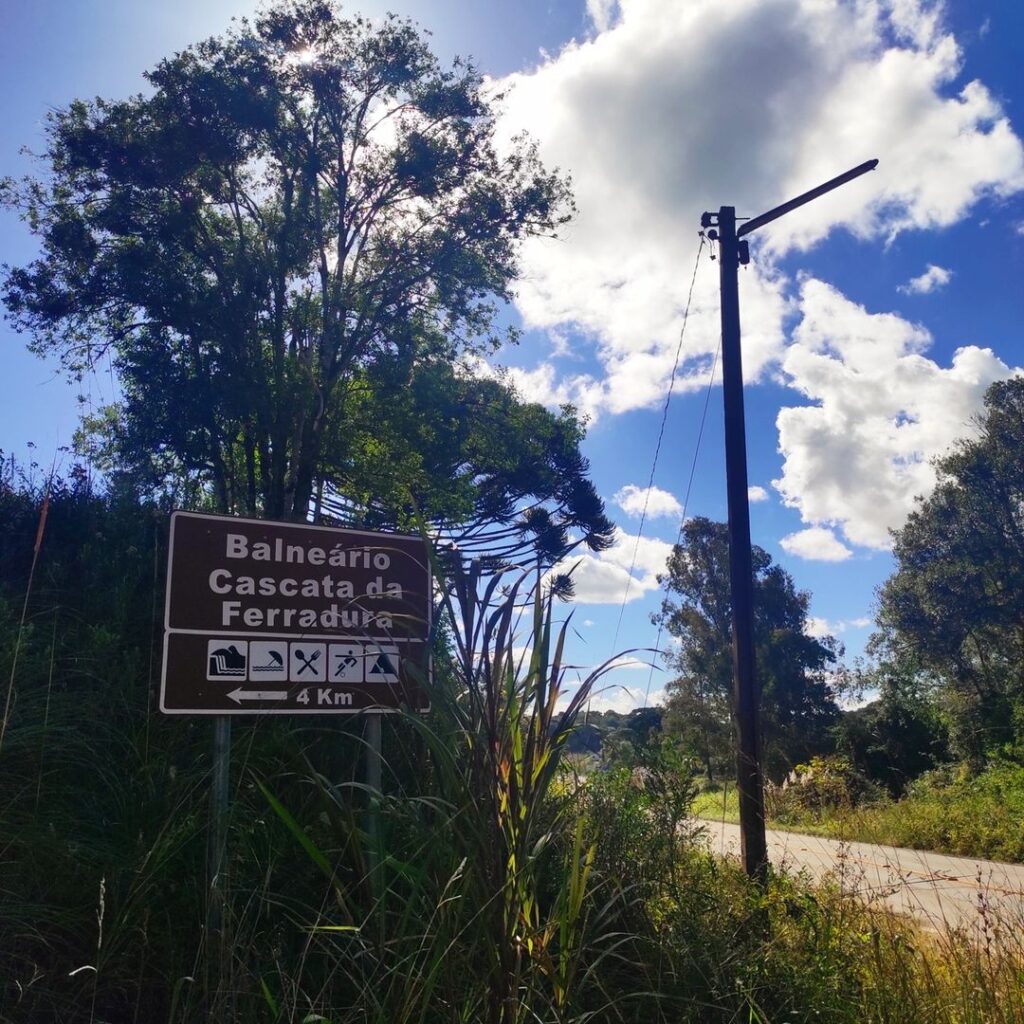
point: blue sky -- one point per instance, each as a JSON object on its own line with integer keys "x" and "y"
{"x": 873, "y": 319}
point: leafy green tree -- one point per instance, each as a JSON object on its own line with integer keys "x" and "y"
{"x": 473, "y": 453}
{"x": 299, "y": 213}
{"x": 700, "y": 714}
{"x": 625, "y": 738}
{"x": 956, "y": 600}
{"x": 899, "y": 735}
{"x": 797, "y": 702}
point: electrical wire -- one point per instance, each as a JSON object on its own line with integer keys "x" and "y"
{"x": 686, "y": 499}
{"x": 661, "y": 435}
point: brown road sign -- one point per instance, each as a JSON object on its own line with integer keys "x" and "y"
{"x": 282, "y": 618}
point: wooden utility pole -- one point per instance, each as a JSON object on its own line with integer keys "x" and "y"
{"x": 749, "y": 781}
{"x": 746, "y": 695}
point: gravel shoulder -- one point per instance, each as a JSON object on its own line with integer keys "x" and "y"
{"x": 939, "y": 890}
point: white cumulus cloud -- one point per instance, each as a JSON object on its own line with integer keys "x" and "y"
{"x": 819, "y": 627}
{"x": 605, "y": 578}
{"x": 932, "y": 279}
{"x": 633, "y": 500}
{"x": 611, "y": 697}
{"x": 880, "y": 411}
{"x": 756, "y": 493}
{"x": 674, "y": 107}
{"x": 542, "y": 385}
{"x": 816, "y": 543}
{"x": 602, "y": 13}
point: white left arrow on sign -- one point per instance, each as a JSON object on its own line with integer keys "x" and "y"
{"x": 239, "y": 695}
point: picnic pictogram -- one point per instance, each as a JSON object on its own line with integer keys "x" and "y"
{"x": 307, "y": 662}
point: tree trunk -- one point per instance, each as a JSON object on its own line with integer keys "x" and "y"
{"x": 304, "y": 471}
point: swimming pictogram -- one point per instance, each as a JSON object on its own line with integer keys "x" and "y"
{"x": 268, "y": 661}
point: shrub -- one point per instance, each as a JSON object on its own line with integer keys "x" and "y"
{"x": 821, "y": 787}
{"x": 968, "y": 815}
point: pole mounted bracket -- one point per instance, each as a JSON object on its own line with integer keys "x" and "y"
{"x": 708, "y": 220}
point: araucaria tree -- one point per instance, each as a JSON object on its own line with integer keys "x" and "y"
{"x": 955, "y": 605}
{"x": 298, "y": 211}
{"x": 797, "y": 702}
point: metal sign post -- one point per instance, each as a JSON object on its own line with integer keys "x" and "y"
{"x": 216, "y": 859}
{"x": 374, "y": 786}
{"x": 272, "y": 618}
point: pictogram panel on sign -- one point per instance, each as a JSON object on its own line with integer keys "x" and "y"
{"x": 382, "y": 663}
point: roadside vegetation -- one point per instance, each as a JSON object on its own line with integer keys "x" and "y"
{"x": 504, "y": 886}
{"x": 934, "y": 756}
{"x": 945, "y": 811}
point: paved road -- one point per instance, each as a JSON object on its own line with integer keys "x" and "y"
{"x": 936, "y": 889}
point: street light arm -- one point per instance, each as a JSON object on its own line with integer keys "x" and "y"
{"x": 842, "y": 179}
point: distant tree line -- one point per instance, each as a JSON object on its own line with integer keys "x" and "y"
{"x": 945, "y": 676}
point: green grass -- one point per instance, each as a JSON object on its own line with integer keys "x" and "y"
{"x": 976, "y": 816}
{"x": 965, "y": 816}
{"x": 717, "y": 803}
